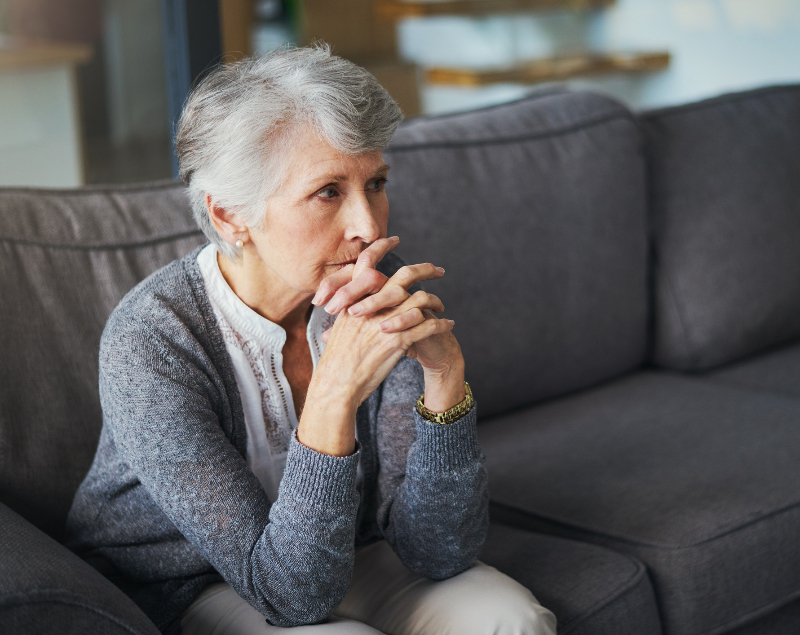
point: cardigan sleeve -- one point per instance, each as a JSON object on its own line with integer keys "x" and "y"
{"x": 292, "y": 560}
{"x": 434, "y": 498}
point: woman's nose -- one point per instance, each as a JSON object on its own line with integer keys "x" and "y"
{"x": 361, "y": 221}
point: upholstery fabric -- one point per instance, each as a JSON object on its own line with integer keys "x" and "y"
{"x": 726, "y": 216}
{"x": 784, "y": 621}
{"x": 536, "y": 209}
{"x": 591, "y": 590}
{"x": 776, "y": 371}
{"x": 66, "y": 260}
{"x": 695, "y": 478}
{"x": 44, "y": 588}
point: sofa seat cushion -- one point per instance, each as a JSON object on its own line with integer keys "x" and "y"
{"x": 695, "y": 478}
{"x": 67, "y": 257}
{"x": 46, "y": 588}
{"x": 537, "y": 210}
{"x": 783, "y": 621}
{"x": 726, "y": 224}
{"x": 776, "y": 372}
{"x": 591, "y": 590}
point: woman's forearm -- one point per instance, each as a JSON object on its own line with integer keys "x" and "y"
{"x": 431, "y": 537}
{"x": 433, "y": 486}
{"x": 327, "y": 423}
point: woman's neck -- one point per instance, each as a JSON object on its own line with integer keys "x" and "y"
{"x": 267, "y": 294}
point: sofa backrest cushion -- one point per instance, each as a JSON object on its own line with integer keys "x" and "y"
{"x": 66, "y": 260}
{"x": 725, "y": 176}
{"x": 537, "y": 211}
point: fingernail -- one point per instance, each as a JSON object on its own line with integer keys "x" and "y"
{"x": 439, "y": 269}
{"x": 315, "y": 299}
{"x": 395, "y": 238}
{"x": 354, "y": 311}
{"x": 452, "y": 322}
{"x": 332, "y": 307}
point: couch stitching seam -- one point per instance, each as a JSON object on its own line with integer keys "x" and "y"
{"x": 536, "y": 136}
{"x": 93, "y": 189}
{"x": 102, "y": 246}
{"x": 616, "y": 595}
{"x": 640, "y": 543}
{"x": 761, "y": 611}
{"x": 731, "y": 98}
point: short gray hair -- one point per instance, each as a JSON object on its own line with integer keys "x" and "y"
{"x": 236, "y": 124}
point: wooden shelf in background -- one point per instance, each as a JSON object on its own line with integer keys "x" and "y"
{"x": 15, "y": 52}
{"x": 551, "y": 69}
{"x": 396, "y": 9}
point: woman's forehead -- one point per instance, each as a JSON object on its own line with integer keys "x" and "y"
{"x": 314, "y": 158}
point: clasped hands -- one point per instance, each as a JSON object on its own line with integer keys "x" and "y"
{"x": 379, "y": 321}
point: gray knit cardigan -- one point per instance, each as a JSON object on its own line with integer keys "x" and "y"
{"x": 169, "y": 504}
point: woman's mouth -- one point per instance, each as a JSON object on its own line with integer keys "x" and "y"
{"x": 342, "y": 265}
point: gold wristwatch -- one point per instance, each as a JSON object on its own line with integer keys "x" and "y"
{"x": 450, "y": 415}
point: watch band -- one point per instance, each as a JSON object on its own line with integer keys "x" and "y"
{"x": 449, "y": 415}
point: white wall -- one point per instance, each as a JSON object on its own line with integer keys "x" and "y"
{"x": 717, "y": 46}
{"x": 40, "y": 143}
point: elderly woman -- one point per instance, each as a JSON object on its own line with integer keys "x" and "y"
{"x": 265, "y": 462}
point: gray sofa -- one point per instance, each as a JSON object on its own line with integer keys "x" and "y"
{"x": 626, "y": 289}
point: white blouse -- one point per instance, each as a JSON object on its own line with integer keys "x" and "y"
{"x": 255, "y": 345}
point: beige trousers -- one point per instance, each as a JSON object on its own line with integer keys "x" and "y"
{"x": 386, "y": 598}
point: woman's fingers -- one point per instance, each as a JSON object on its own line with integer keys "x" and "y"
{"x": 424, "y": 330}
{"x": 332, "y": 284}
{"x": 390, "y": 296}
{"x": 372, "y": 255}
{"x": 368, "y": 259}
{"x": 367, "y": 282}
{"x": 412, "y": 312}
{"x": 395, "y": 291}
{"x": 411, "y": 274}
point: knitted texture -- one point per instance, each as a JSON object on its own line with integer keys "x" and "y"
{"x": 169, "y": 504}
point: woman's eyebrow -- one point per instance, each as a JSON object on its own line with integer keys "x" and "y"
{"x": 334, "y": 177}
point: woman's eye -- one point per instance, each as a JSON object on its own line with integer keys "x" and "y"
{"x": 377, "y": 185}
{"x": 328, "y": 192}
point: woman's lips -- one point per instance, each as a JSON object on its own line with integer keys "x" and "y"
{"x": 342, "y": 265}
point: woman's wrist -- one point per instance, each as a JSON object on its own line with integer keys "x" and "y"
{"x": 444, "y": 388}
{"x": 327, "y": 423}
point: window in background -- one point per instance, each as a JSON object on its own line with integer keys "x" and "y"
{"x": 135, "y": 144}
{"x": 42, "y": 117}
{"x": 84, "y": 98}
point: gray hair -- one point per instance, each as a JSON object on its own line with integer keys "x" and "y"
{"x": 236, "y": 126}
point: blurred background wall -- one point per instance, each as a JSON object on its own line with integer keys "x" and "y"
{"x": 90, "y": 89}
{"x": 715, "y": 46}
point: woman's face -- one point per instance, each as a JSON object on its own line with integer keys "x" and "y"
{"x": 328, "y": 209}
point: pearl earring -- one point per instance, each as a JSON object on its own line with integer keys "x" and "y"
{"x": 239, "y": 244}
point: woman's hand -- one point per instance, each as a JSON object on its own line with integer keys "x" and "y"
{"x": 361, "y": 352}
{"x": 353, "y": 282}
{"x": 359, "y": 355}
{"x": 439, "y": 355}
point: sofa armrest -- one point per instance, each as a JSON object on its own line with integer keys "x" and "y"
{"x": 45, "y": 588}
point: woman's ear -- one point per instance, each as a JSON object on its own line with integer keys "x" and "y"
{"x": 227, "y": 223}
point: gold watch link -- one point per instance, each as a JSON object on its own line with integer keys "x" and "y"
{"x": 450, "y": 415}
